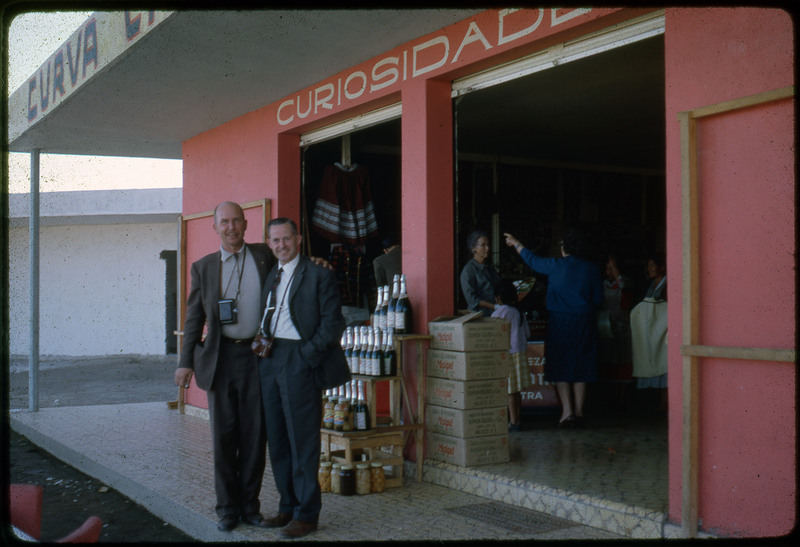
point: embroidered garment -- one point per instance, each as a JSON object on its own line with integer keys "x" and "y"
{"x": 344, "y": 211}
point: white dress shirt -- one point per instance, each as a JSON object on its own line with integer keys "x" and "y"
{"x": 281, "y": 324}
{"x": 249, "y": 292}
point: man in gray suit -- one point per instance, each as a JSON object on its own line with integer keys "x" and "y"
{"x": 225, "y": 297}
{"x": 306, "y": 326}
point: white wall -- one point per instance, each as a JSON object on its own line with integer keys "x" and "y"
{"x": 102, "y": 288}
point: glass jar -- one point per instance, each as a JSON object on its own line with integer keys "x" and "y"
{"x": 362, "y": 479}
{"x": 336, "y": 480}
{"x": 377, "y": 477}
{"x": 324, "y": 476}
{"x": 347, "y": 479}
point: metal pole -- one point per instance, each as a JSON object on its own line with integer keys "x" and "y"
{"x": 33, "y": 371}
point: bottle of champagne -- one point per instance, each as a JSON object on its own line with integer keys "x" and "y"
{"x": 402, "y": 312}
{"x": 377, "y": 354}
{"x": 387, "y": 295}
{"x": 389, "y": 357}
{"x": 391, "y": 324}
{"x": 348, "y": 347}
{"x": 352, "y": 360}
{"x": 376, "y": 315}
{"x": 362, "y": 415}
{"x": 372, "y": 353}
{"x": 362, "y": 352}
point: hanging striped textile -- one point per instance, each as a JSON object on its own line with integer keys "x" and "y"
{"x": 344, "y": 211}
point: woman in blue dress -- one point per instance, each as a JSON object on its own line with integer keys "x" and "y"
{"x": 574, "y": 292}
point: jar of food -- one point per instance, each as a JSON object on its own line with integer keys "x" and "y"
{"x": 377, "y": 477}
{"x": 324, "y": 476}
{"x": 336, "y": 480}
{"x": 347, "y": 480}
{"x": 362, "y": 479}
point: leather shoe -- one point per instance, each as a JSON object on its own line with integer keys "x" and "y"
{"x": 253, "y": 519}
{"x": 227, "y": 523}
{"x": 297, "y": 529}
{"x": 278, "y": 520}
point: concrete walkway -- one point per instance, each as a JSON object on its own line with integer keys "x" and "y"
{"x": 162, "y": 460}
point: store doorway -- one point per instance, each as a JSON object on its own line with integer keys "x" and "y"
{"x": 581, "y": 144}
{"x": 374, "y": 153}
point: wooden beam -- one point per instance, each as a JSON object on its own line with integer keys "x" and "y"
{"x": 744, "y": 102}
{"x": 751, "y": 354}
{"x": 690, "y": 295}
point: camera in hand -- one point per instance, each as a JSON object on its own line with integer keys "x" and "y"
{"x": 227, "y": 312}
{"x": 261, "y": 345}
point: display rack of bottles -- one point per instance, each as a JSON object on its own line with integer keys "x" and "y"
{"x": 384, "y": 441}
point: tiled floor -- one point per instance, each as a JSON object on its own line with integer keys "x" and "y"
{"x": 610, "y": 477}
{"x": 611, "y": 474}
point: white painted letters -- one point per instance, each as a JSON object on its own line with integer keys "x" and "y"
{"x": 503, "y": 39}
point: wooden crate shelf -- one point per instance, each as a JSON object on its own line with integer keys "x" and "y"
{"x": 386, "y": 447}
{"x": 384, "y": 442}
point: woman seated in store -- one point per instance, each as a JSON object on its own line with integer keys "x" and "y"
{"x": 574, "y": 292}
{"x": 480, "y": 282}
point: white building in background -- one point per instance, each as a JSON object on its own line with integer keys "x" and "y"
{"x": 108, "y": 263}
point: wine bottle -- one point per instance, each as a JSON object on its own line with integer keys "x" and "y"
{"x": 348, "y": 347}
{"x": 370, "y": 352}
{"x": 353, "y": 402}
{"x": 402, "y": 313}
{"x": 362, "y": 352}
{"x": 376, "y": 315}
{"x": 391, "y": 324}
{"x": 377, "y": 364}
{"x": 384, "y": 324}
{"x": 347, "y": 410}
{"x": 362, "y": 415}
{"x": 389, "y": 357}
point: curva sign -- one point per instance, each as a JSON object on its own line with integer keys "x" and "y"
{"x": 423, "y": 58}
{"x": 92, "y": 46}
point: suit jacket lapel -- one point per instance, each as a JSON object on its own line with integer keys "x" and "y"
{"x": 299, "y": 272}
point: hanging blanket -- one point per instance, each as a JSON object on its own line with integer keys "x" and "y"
{"x": 649, "y": 338}
{"x": 344, "y": 211}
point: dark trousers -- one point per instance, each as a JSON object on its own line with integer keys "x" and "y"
{"x": 292, "y": 412}
{"x": 237, "y": 431}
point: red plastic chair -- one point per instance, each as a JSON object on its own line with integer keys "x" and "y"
{"x": 26, "y": 508}
{"x": 26, "y": 515}
{"x": 89, "y": 532}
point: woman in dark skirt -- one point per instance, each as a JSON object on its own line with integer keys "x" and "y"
{"x": 574, "y": 292}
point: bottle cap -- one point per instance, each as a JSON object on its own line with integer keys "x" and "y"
{"x": 377, "y": 464}
{"x": 326, "y": 464}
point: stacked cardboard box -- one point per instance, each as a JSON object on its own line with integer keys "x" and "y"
{"x": 467, "y": 390}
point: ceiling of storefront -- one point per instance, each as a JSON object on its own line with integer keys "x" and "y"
{"x": 200, "y": 69}
{"x": 605, "y": 110}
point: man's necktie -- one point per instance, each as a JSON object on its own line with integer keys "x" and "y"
{"x": 273, "y": 300}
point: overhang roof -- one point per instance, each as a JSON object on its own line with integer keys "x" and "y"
{"x": 195, "y": 70}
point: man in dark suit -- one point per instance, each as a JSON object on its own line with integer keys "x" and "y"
{"x": 390, "y": 262}
{"x": 306, "y": 326}
{"x": 225, "y": 297}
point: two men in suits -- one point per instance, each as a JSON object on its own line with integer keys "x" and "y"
{"x": 225, "y": 297}
{"x": 306, "y": 326}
